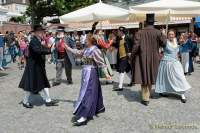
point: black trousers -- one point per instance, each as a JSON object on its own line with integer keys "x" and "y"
{"x": 123, "y": 65}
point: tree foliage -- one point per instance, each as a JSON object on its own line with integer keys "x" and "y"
{"x": 42, "y": 8}
{"x": 20, "y": 19}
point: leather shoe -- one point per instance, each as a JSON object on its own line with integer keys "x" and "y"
{"x": 74, "y": 119}
{"x": 101, "y": 111}
{"x": 80, "y": 123}
{"x": 27, "y": 105}
{"x": 119, "y": 89}
{"x": 146, "y": 103}
{"x": 55, "y": 84}
{"x": 70, "y": 82}
{"x": 163, "y": 95}
{"x": 183, "y": 100}
{"x": 109, "y": 82}
{"x": 130, "y": 85}
{"x": 52, "y": 103}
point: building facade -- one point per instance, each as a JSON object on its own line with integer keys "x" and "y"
{"x": 18, "y": 6}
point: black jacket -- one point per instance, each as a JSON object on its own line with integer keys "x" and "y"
{"x": 34, "y": 78}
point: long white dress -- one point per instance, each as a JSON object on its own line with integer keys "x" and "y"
{"x": 171, "y": 78}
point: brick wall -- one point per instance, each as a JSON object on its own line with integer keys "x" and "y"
{"x": 14, "y": 27}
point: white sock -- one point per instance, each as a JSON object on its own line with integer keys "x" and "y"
{"x": 82, "y": 119}
{"x": 46, "y": 95}
{"x": 121, "y": 80}
{"x": 26, "y": 97}
{"x": 183, "y": 96}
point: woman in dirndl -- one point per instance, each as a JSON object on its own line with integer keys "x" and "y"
{"x": 171, "y": 78}
{"x": 90, "y": 100}
{"x": 112, "y": 51}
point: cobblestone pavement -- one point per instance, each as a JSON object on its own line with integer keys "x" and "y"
{"x": 124, "y": 113}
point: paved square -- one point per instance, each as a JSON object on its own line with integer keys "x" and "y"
{"x": 124, "y": 113}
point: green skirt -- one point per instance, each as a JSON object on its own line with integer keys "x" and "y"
{"x": 109, "y": 69}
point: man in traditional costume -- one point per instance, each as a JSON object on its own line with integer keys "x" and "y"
{"x": 64, "y": 59}
{"x": 124, "y": 50}
{"x": 145, "y": 54}
{"x": 34, "y": 78}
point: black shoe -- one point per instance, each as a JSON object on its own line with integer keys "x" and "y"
{"x": 80, "y": 123}
{"x": 163, "y": 95}
{"x": 183, "y": 100}
{"x": 101, "y": 111}
{"x": 119, "y": 89}
{"x": 27, "y": 105}
{"x": 185, "y": 73}
{"x": 36, "y": 93}
{"x": 70, "y": 82}
{"x": 55, "y": 83}
{"x": 52, "y": 103}
{"x": 74, "y": 119}
{"x": 152, "y": 97}
{"x": 146, "y": 103}
{"x": 109, "y": 82}
{"x": 130, "y": 85}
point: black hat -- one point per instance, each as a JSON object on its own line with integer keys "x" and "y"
{"x": 38, "y": 28}
{"x": 150, "y": 18}
{"x": 60, "y": 29}
{"x": 122, "y": 29}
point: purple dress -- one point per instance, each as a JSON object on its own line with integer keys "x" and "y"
{"x": 90, "y": 100}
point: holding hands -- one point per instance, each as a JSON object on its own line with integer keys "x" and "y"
{"x": 108, "y": 77}
{"x": 66, "y": 47}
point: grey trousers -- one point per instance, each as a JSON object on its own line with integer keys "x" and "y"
{"x": 66, "y": 64}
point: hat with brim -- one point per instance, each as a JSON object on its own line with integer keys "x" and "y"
{"x": 60, "y": 29}
{"x": 38, "y": 28}
{"x": 122, "y": 29}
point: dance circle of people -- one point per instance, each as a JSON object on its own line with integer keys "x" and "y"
{"x": 138, "y": 56}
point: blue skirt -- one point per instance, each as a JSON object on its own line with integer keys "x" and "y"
{"x": 90, "y": 100}
{"x": 171, "y": 78}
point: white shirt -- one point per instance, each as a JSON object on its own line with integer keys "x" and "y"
{"x": 51, "y": 41}
{"x": 83, "y": 39}
{"x": 123, "y": 36}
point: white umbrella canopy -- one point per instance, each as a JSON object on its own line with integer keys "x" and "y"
{"x": 96, "y": 12}
{"x": 166, "y": 8}
{"x": 14, "y": 14}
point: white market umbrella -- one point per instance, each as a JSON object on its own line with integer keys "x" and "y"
{"x": 164, "y": 9}
{"x": 14, "y": 14}
{"x": 96, "y": 12}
